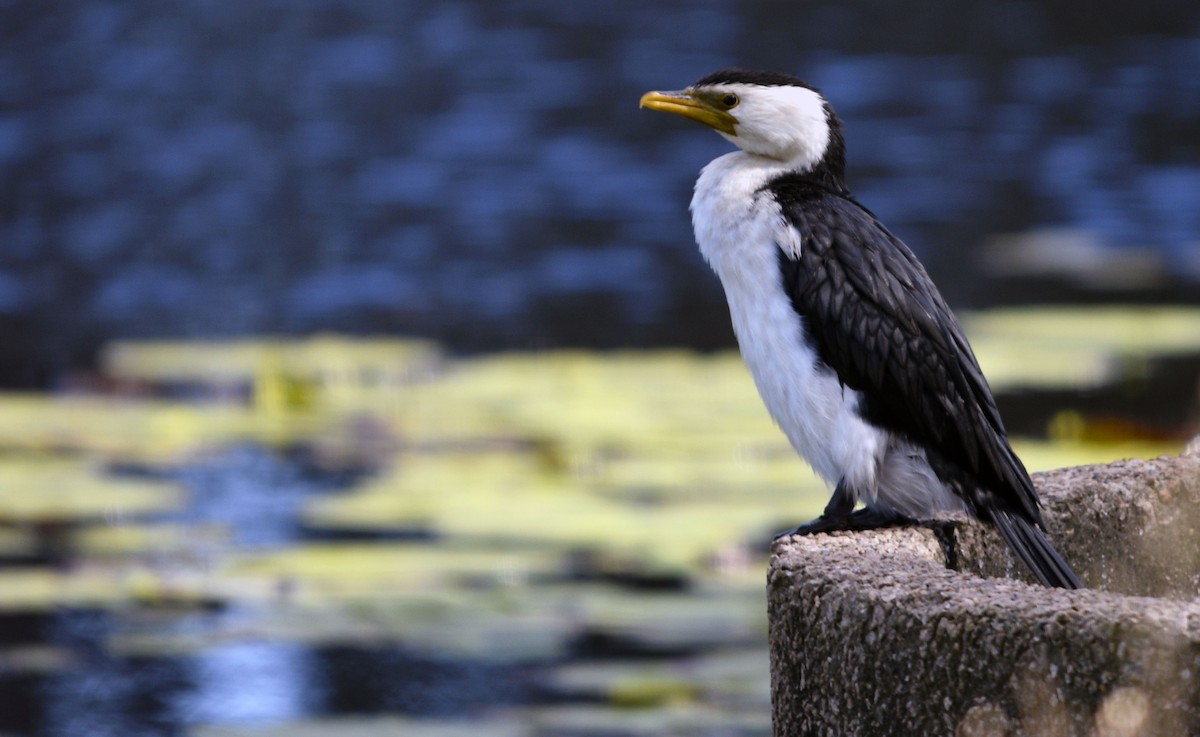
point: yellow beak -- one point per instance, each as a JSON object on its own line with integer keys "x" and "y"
{"x": 688, "y": 105}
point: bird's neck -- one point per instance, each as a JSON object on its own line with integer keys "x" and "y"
{"x": 732, "y": 181}
{"x": 829, "y": 171}
{"x": 826, "y": 176}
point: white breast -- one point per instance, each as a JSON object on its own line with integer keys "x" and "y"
{"x": 740, "y": 230}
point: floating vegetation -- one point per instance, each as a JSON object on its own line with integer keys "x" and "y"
{"x": 276, "y": 375}
{"x": 665, "y": 721}
{"x": 150, "y": 539}
{"x": 58, "y": 491}
{"x": 726, "y": 676}
{"x": 1049, "y": 455}
{"x": 511, "y": 498}
{"x": 95, "y": 587}
{"x": 1076, "y": 347}
{"x": 329, "y": 572}
{"x": 134, "y": 430}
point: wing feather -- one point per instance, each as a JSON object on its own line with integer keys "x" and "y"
{"x": 880, "y": 323}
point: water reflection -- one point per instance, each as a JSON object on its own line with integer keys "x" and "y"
{"x": 98, "y": 694}
{"x": 254, "y": 493}
{"x": 391, "y": 679}
{"x": 101, "y": 693}
{"x": 254, "y": 682}
{"x": 243, "y": 683}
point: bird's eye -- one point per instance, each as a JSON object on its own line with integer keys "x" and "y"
{"x": 730, "y": 100}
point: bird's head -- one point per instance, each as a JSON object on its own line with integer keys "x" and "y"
{"x": 764, "y": 113}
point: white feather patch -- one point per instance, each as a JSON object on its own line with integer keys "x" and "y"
{"x": 740, "y": 229}
{"x": 787, "y": 237}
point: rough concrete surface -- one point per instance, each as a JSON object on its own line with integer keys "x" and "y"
{"x": 872, "y": 633}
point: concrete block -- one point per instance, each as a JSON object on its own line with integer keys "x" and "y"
{"x": 924, "y": 632}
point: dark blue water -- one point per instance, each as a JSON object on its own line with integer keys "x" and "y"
{"x": 479, "y": 172}
{"x": 244, "y": 682}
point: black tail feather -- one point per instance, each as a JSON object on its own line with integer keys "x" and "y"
{"x": 1035, "y": 551}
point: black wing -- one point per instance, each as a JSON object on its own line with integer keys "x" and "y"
{"x": 879, "y": 322}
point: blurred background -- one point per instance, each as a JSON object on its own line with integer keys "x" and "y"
{"x": 360, "y": 374}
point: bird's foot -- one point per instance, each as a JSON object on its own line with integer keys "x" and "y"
{"x": 861, "y": 519}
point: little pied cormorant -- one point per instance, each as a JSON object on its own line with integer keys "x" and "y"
{"x": 856, "y": 355}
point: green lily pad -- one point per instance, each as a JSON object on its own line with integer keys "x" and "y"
{"x": 63, "y": 491}
{"x": 1077, "y": 346}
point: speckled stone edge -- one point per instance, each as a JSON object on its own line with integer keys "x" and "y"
{"x": 872, "y": 634}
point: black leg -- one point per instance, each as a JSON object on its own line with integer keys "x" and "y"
{"x": 840, "y": 514}
{"x": 841, "y": 504}
{"x": 837, "y": 511}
